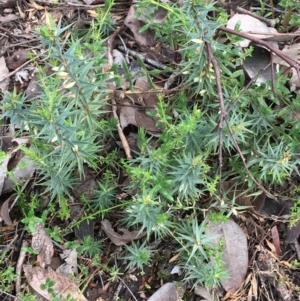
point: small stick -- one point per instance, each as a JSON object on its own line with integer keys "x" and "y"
{"x": 246, "y": 12}
{"x": 222, "y": 106}
{"x": 244, "y": 163}
{"x": 131, "y": 293}
{"x": 222, "y": 118}
{"x": 294, "y": 63}
{"x": 19, "y": 266}
{"x": 120, "y": 131}
{"x": 144, "y": 58}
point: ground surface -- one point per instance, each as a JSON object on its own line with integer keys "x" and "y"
{"x": 270, "y": 275}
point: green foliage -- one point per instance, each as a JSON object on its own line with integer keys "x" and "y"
{"x": 201, "y": 256}
{"x": 114, "y": 273}
{"x": 105, "y": 194}
{"x": 63, "y": 121}
{"x": 7, "y": 273}
{"x": 90, "y": 247}
{"x": 137, "y": 255}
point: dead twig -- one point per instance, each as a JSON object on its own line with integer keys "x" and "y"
{"x": 246, "y": 12}
{"x": 120, "y": 131}
{"x": 249, "y": 84}
{"x": 143, "y": 58}
{"x": 131, "y": 293}
{"x": 245, "y": 164}
{"x": 223, "y": 118}
{"x": 292, "y": 62}
{"x": 222, "y": 106}
{"x": 19, "y": 266}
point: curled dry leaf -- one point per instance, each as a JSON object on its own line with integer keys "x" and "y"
{"x": 118, "y": 239}
{"x": 259, "y": 60}
{"x": 36, "y": 276}
{"x": 145, "y": 38}
{"x": 235, "y": 251}
{"x": 4, "y": 212}
{"x": 276, "y": 240}
{"x": 42, "y": 243}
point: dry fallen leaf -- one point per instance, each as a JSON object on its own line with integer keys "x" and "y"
{"x": 36, "y": 276}
{"x": 145, "y": 121}
{"x": 127, "y": 115}
{"x": 292, "y": 51}
{"x": 145, "y": 38}
{"x": 4, "y": 212}
{"x": 203, "y": 292}
{"x": 235, "y": 251}
{"x": 24, "y": 169}
{"x": 168, "y": 292}
{"x": 292, "y": 233}
{"x": 251, "y": 26}
{"x": 35, "y": 5}
{"x": 118, "y": 239}
{"x": 276, "y": 240}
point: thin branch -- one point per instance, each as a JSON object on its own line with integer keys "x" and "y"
{"x": 249, "y": 84}
{"x": 245, "y": 164}
{"x": 266, "y": 20}
{"x": 143, "y": 58}
{"x": 223, "y": 118}
{"x": 120, "y": 131}
{"x": 222, "y": 106}
{"x": 19, "y": 266}
{"x": 282, "y": 55}
{"x": 19, "y": 68}
{"x": 131, "y": 293}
